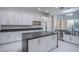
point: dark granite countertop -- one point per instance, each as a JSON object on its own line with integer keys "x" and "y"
{"x": 23, "y": 29}
{"x": 68, "y": 32}
{"x": 34, "y": 35}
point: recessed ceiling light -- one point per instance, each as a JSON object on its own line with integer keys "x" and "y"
{"x": 38, "y": 8}
{"x": 56, "y": 7}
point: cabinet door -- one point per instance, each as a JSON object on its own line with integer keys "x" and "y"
{"x": 66, "y": 37}
{"x": 11, "y": 47}
{"x": 9, "y": 37}
{"x": 75, "y": 39}
{"x": 7, "y": 18}
{"x": 4, "y": 18}
{"x": 33, "y": 45}
{"x": 43, "y": 44}
{"x": 11, "y": 17}
{"x": 48, "y": 43}
{"x": 27, "y": 19}
{"x": 54, "y": 38}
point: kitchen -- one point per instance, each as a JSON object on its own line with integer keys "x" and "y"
{"x": 35, "y": 29}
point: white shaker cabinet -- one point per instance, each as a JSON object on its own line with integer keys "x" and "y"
{"x": 71, "y": 38}
{"x": 42, "y": 44}
{"x": 75, "y": 39}
{"x": 33, "y": 45}
{"x": 11, "y": 47}
{"x": 67, "y": 37}
{"x": 18, "y": 19}
{"x": 7, "y": 18}
{"x": 13, "y": 18}
{"x": 10, "y": 41}
{"x": 9, "y": 37}
{"x": 48, "y": 43}
{"x": 4, "y": 18}
{"x": 27, "y": 19}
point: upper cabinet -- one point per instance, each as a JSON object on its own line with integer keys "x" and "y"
{"x": 27, "y": 19}
{"x": 12, "y": 18}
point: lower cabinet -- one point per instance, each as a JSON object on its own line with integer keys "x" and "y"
{"x": 6, "y": 37}
{"x": 75, "y": 39}
{"x": 71, "y": 38}
{"x": 10, "y": 41}
{"x": 67, "y": 37}
{"x": 11, "y": 47}
{"x": 43, "y": 44}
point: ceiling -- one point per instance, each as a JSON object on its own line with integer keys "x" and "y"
{"x": 59, "y": 11}
{"x": 52, "y": 10}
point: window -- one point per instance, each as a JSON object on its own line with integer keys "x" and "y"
{"x": 73, "y": 23}
{"x": 70, "y": 23}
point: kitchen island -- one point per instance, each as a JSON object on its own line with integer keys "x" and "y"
{"x": 39, "y": 41}
{"x": 11, "y": 37}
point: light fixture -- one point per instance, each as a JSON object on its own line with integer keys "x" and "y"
{"x": 71, "y": 14}
{"x": 38, "y": 8}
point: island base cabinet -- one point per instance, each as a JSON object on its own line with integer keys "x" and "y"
{"x": 33, "y": 45}
{"x": 43, "y": 44}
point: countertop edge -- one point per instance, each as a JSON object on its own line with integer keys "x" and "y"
{"x": 39, "y": 36}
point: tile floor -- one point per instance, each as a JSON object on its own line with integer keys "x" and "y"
{"x": 66, "y": 47}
